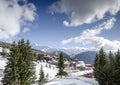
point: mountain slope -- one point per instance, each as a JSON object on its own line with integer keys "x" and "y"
{"x": 87, "y": 57}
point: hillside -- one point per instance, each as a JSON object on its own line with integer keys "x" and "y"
{"x": 88, "y": 57}
{"x": 49, "y": 63}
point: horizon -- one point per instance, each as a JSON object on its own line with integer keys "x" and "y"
{"x": 62, "y": 24}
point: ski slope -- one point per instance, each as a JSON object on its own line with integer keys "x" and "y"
{"x": 73, "y": 81}
{"x": 50, "y": 71}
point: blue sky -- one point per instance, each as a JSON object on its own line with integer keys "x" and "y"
{"x": 63, "y": 23}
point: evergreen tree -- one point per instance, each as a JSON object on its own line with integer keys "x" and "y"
{"x": 42, "y": 78}
{"x": 96, "y": 70}
{"x": 117, "y": 68}
{"x": 40, "y": 56}
{"x": 26, "y": 65}
{"x": 100, "y": 64}
{"x": 61, "y": 66}
{"x": 50, "y": 66}
{"x": 47, "y": 76}
{"x": 11, "y": 72}
{"x": 20, "y": 67}
{"x": 110, "y": 68}
{"x": 107, "y": 70}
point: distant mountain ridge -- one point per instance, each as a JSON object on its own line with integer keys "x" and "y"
{"x": 74, "y": 53}
{"x": 69, "y": 51}
{"x": 88, "y": 57}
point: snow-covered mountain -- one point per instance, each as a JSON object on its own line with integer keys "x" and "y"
{"x": 45, "y": 49}
{"x": 78, "y": 53}
{"x": 74, "y": 51}
{"x": 69, "y": 51}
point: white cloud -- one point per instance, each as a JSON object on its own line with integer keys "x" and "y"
{"x": 13, "y": 16}
{"x": 26, "y": 30}
{"x": 66, "y": 23}
{"x": 85, "y": 11}
{"x": 90, "y": 37}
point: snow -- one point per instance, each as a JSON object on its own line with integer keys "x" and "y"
{"x": 0, "y": 49}
{"x": 80, "y": 73}
{"x": 2, "y": 62}
{"x": 51, "y": 71}
{"x": 81, "y": 63}
{"x": 73, "y": 81}
{"x": 47, "y": 70}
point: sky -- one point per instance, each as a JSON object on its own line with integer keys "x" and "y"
{"x": 86, "y": 24}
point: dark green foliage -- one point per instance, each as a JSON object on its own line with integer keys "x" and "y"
{"x": 20, "y": 67}
{"x": 26, "y": 65}
{"x": 107, "y": 68}
{"x": 40, "y": 57}
{"x": 117, "y": 68}
{"x": 61, "y": 66}
{"x": 100, "y": 64}
{"x": 11, "y": 72}
{"x": 110, "y": 68}
{"x": 42, "y": 78}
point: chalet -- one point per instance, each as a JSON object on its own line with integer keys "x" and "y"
{"x": 88, "y": 66}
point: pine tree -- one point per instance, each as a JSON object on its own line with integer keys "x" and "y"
{"x": 110, "y": 68}
{"x": 46, "y": 65}
{"x": 117, "y": 68}
{"x": 42, "y": 78}
{"x": 61, "y": 66}
{"x": 20, "y": 67}
{"x": 50, "y": 66}
{"x": 96, "y": 70}
{"x": 11, "y": 72}
{"x": 100, "y": 64}
{"x": 26, "y": 65}
{"x": 107, "y": 70}
{"x": 40, "y": 56}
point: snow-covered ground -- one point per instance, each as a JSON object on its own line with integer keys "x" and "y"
{"x": 73, "y": 81}
{"x": 51, "y": 71}
{"x": 80, "y": 73}
{"x": 48, "y": 69}
{"x": 2, "y": 62}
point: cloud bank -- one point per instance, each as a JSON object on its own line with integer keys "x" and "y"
{"x": 13, "y": 16}
{"x": 91, "y": 37}
{"x": 84, "y": 11}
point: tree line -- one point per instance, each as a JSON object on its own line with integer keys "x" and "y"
{"x": 107, "y": 68}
